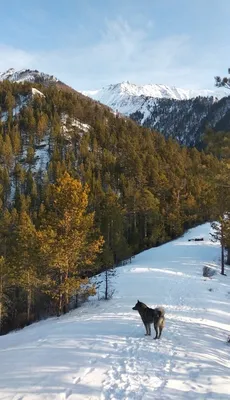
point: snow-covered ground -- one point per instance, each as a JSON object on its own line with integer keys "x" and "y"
{"x": 99, "y": 351}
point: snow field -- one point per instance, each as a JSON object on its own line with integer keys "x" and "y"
{"x": 99, "y": 351}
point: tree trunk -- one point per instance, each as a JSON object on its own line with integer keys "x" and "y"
{"x": 1, "y": 302}
{"x": 222, "y": 250}
{"x": 60, "y": 298}
{"x": 29, "y": 301}
{"x": 135, "y": 220}
{"x": 66, "y": 296}
{"x": 222, "y": 259}
{"x": 228, "y": 256}
{"x": 106, "y": 285}
{"x": 60, "y": 305}
{"x": 29, "y": 298}
{"x": 76, "y": 299}
{"x": 145, "y": 226}
{"x": 0, "y": 316}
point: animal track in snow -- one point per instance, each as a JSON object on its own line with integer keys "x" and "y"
{"x": 87, "y": 371}
{"x": 66, "y": 394}
{"x": 128, "y": 377}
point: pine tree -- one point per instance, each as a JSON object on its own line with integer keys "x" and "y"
{"x": 7, "y": 152}
{"x": 68, "y": 242}
{"x": 30, "y": 155}
{"x": 223, "y": 82}
{"x": 218, "y": 235}
{"x": 221, "y": 211}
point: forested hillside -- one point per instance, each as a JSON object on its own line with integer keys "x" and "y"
{"x": 81, "y": 190}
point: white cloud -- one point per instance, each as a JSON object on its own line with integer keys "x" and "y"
{"x": 121, "y": 53}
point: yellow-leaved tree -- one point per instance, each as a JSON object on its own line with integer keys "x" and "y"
{"x": 69, "y": 242}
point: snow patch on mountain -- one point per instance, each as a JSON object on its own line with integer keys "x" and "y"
{"x": 68, "y": 125}
{"x": 22, "y": 101}
{"x": 42, "y": 155}
{"x": 37, "y": 92}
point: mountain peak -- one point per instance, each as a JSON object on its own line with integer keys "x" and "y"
{"x": 26, "y": 75}
{"x": 10, "y": 71}
{"x": 156, "y": 91}
{"x": 127, "y": 97}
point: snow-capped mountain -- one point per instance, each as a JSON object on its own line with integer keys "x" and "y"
{"x": 127, "y": 97}
{"x": 180, "y": 113}
{"x": 26, "y": 75}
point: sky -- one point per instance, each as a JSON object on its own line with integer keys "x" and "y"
{"x": 92, "y": 43}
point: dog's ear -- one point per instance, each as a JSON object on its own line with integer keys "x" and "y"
{"x": 138, "y": 301}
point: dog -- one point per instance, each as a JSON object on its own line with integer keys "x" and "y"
{"x": 150, "y": 316}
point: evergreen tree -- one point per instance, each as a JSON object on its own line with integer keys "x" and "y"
{"x": 221, "y": 211}
{"x": 223, "y": 82}
{"x": 68, "y": 243}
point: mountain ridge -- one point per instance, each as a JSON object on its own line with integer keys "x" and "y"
{"x": 177, "y": 113}
{"x": 182, "y": 114}
{"x": 153, "y": 90}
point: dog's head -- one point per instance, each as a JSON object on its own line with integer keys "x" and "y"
{"x": 137, "y": 306}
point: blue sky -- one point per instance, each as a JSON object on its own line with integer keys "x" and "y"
{"x": 92, "y": 43}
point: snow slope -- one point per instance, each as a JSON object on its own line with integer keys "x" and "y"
{"x": 99, "y": 351}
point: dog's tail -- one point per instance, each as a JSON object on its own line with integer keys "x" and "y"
{"x": 161, "y": 322}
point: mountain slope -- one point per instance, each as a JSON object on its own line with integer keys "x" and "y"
{"x": 178, "y": 113}
{"x": 99, "y": 351}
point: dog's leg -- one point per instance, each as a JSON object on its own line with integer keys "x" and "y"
{"x": 160, "y": 330}
{"x": 156, "y": 330}
{"x": 149, "y": 329}
{"x": 146, "y": 328}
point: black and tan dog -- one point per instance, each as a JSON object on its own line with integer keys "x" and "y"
{"x": 150, "y": 316}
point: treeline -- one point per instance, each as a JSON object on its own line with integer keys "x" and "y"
{"x": 143, "y": 190}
